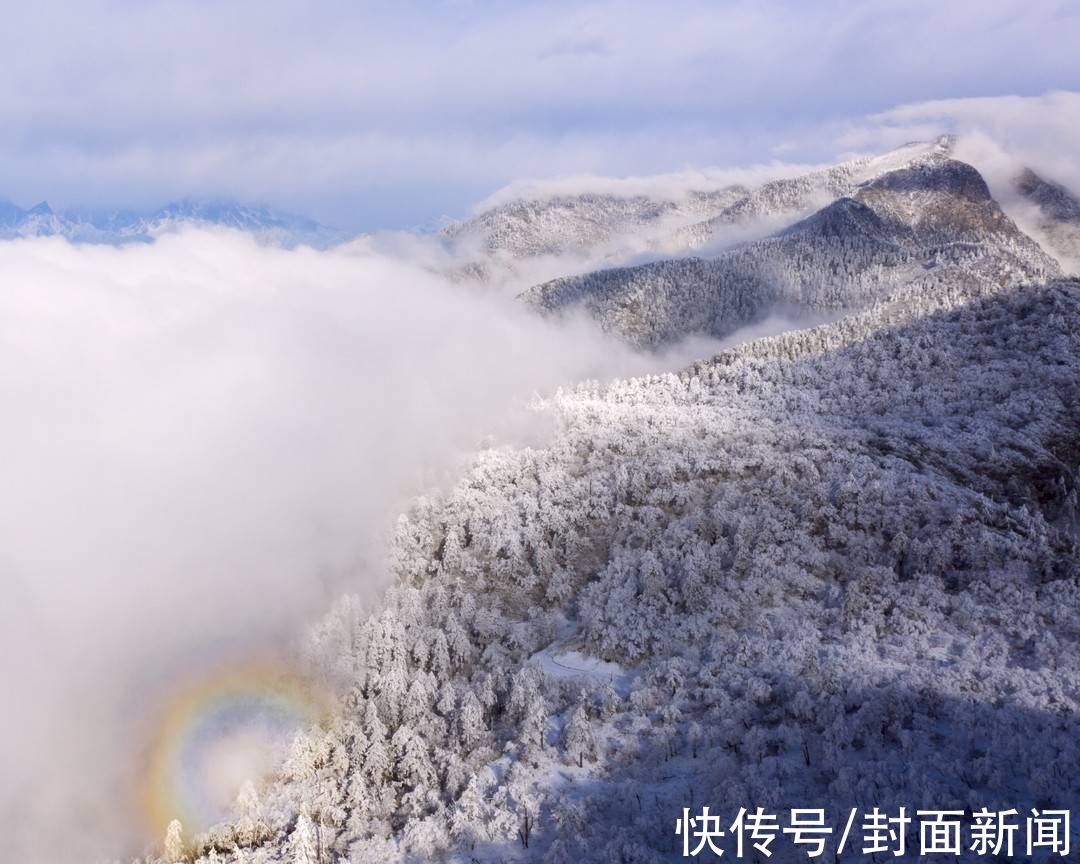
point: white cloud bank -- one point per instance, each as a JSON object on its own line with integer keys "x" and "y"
{"x": 203, "y": 441}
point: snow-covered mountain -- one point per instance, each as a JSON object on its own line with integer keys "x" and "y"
{"x": 562, "y": 224}
{"x": 932, "y": 220}
{"x": 127, "y": 226}
{"x": 790, "y": 197}
{"x": 834, "y": 568}
{"x": 665, "y": 217}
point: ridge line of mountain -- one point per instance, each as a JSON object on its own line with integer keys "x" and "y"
{"x": 118, "y": 226}
{"x": 933, "y": 219}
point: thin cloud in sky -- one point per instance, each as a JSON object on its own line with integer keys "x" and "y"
{"x": 382, "y": 115}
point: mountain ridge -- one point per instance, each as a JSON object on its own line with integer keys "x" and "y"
{"x": 614, "y": 227}
{"x": 117, "y": 227}
{"x": 932, "y": 219}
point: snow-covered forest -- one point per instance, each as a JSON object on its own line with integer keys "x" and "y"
{"x": 835, "y": 568}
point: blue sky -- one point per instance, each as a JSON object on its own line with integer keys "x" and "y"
{"x": 395, "y": 114}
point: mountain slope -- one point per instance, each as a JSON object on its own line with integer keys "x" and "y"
{"x": 931, "y": 221}
{"x": 575, "y": 223}
{"x": 835, "y": 568}
{"x": 1057, "y": 221}
{"x": 567, "y": 232}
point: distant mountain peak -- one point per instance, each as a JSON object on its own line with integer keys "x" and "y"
{"x": 127, "y": 226}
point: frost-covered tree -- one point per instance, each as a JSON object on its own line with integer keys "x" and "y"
{"x": 305, "y": 841}
{"x": 470, "y": 720}
{"x": 578, "y": 737}
{"x": 174, "y": 847}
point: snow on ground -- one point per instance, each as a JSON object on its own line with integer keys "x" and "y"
{"x": 561, "y": 661}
